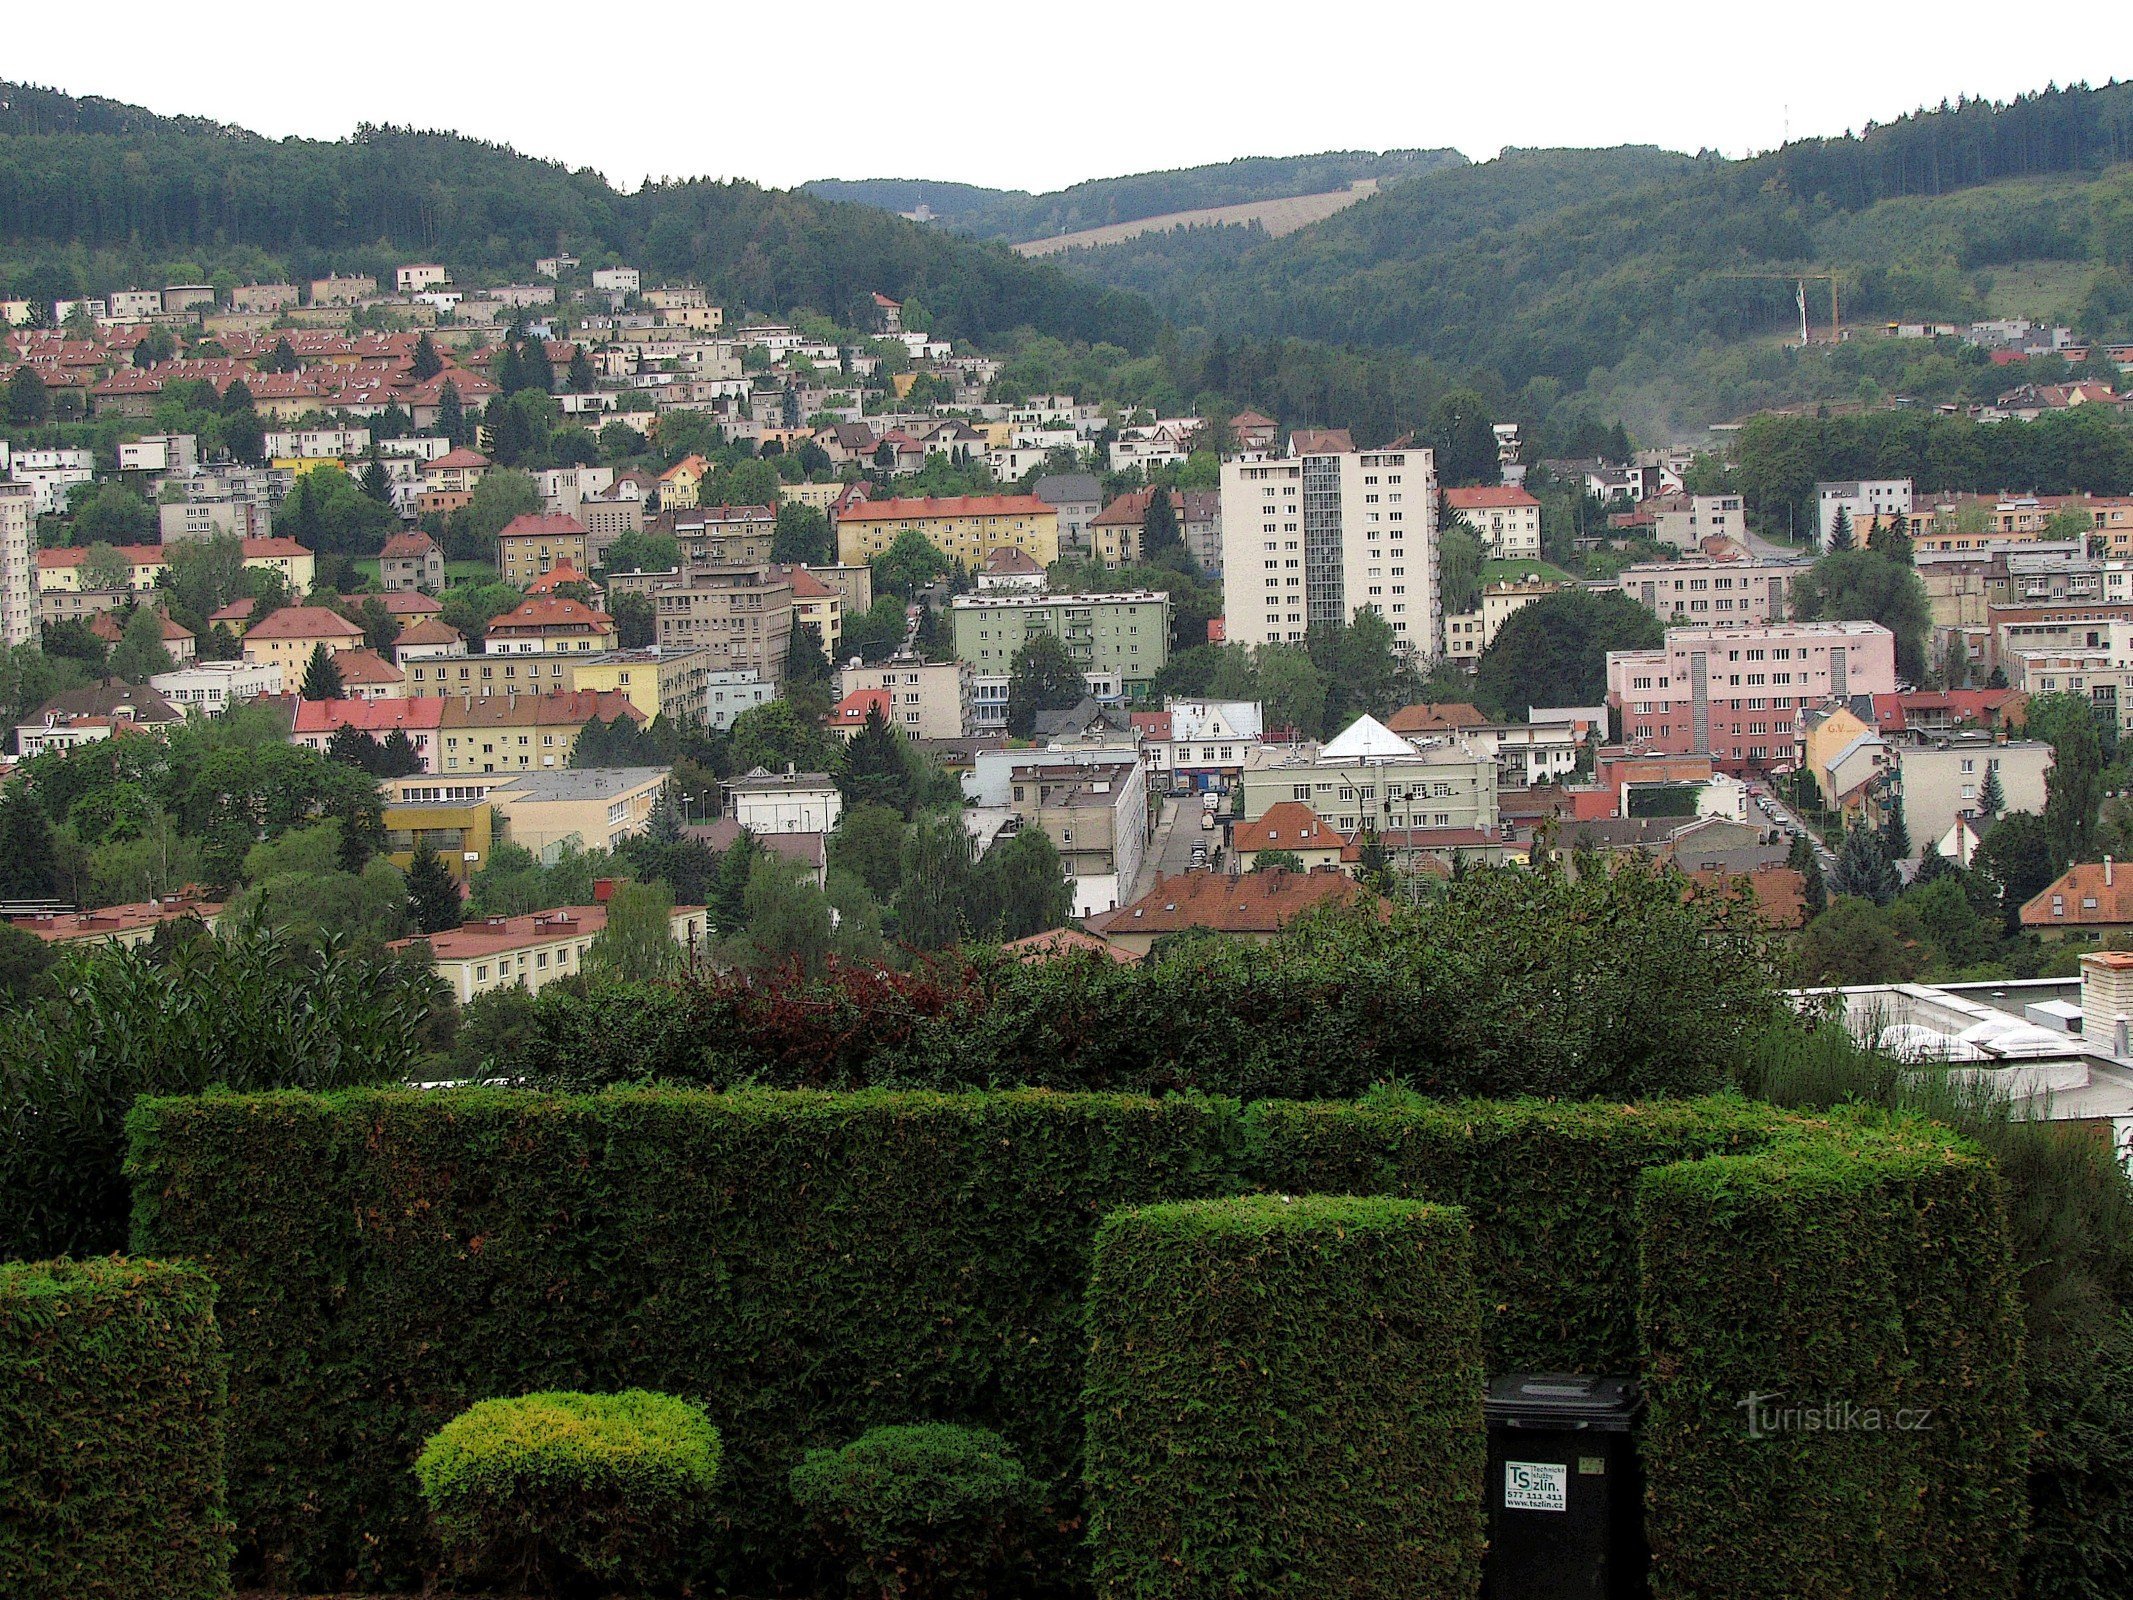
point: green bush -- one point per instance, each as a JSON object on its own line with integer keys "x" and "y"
{"x": 814, "y": 1265}
{"x": 112, "y": 1416}
{"x": 1284, "y": 1400}
{"x": 1832, "y": 1338}
{"x": 932, "y": 1512}
{"x": 560, "y": 1492}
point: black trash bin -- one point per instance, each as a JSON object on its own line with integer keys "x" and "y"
{"x": 1566, "y": 1498}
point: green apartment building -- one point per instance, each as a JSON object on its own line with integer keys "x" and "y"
{"x": 1123, "y": 634}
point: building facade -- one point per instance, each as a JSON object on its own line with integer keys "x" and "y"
{"x": 1698, "y": 592}
{"x": 927, "y": 699}
{"x": 1122, "y": 636}
{"x": 965, "y": 528}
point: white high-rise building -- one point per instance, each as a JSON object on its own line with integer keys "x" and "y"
{"x": 1325, "y": 531}
{"x": 18, "y": 563}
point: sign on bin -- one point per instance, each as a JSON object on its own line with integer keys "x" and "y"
{"x": 1536, "y": 1486}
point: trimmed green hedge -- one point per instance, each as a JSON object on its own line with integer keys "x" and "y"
{"x": 1832, "y": 1339}
{"x": 555, "y": 1490}
{"x": 811, "y": 1265}
{"x": 1284, "y": 1399}
{"x": 112, "y": 1402}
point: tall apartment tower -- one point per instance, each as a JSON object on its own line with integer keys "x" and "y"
{"x": 1325, "y": 531}
{"x": 18, "y": 573}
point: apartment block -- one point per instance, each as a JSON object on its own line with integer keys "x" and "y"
{"x": 1863, "y": 502}
{"x": 1325, "y": 532}
{"x": 1370, "y": 777}
{"x": 742, "y": 614}
{"x": 965, "y": 528}
{"x": 1506, "y": 517}
{"x": 1123, "y": 635}
{"x": 18, "y": 566}
{"x": 1697, "y": 592}
{"x": 927, "y": 699}
{"x": 534, "y": 951}
{"x": 538, "y": 542}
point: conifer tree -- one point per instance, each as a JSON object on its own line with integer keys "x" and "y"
{"x": 322, "y": 678}
{"x": 1991, "y": 798}
{"x": 433, "y": 901}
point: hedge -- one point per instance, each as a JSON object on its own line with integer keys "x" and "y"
{"x": 811, "y": 1265}
{"x": 112, "y": 1402}
{"x": 1853, "y": 1295}
{"x": 1283, "y": 1400}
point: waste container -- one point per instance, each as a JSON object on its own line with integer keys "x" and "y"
{"x": 1566, "y": 1498}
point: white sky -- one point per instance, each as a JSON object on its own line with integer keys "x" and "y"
{"x": 1026, "y": 94}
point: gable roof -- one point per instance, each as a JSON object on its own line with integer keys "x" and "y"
{"x": 376, "y": 717}
{"x": 543, "y": 525}
{"x": 1058, "y": 942}
{"x": 1488, "y": 497}
{"x": 1287, "y": 825}
{"x": 1256, "y": 902}
{"x": 110, "y": 697}
{"x": 2074, "y": 889}
{"x": 851, "y": 711}
{"x": 408, "y": 547}
{"x": 303, "y": 622}
{"x": 1321, "y": 442}
{"x": 1448, "y": 717}
{"x": 430, "y": 630}
{"x": 461, "y": 457}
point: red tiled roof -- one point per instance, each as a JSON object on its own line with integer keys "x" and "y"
{"x": 1010, "y": 562}
{"x": 1287, "y": 825}
{"x": 1257, "y": 902}
{"x": 851, "y": 711}
{"x": 2074, "y": 888}
{"x": 1059, "y": 942}
{"x": 304, "y": 622}
{"x": 553, "y": 611}
{"x": 1487, "y": 497}
{"x": 553, "y": 579}
{"x": 430, "y": 630}
{"x": 1445, "y": 718}
{"x": 1152, "y": 724}
{"x": 542, "y": 524}
{"x": 1780, "y": 892}
{"x": 408, "y": 547}
{"x": 378, "y": 717}
{"x": 73, "y": 555}
{"x": 966, "y": 505}
{"x": 461, "y": 457}
{"x": 105, "y": 921}
{"x": 366, "y": 666}
{"x": 558, "y": 708}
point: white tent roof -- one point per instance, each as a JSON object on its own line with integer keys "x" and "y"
{"x": 1366, "y": 739}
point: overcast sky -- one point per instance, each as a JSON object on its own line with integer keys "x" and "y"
{"x": 1032, "y": 95}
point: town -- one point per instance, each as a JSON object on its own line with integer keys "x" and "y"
{"x": 575, "y": 841}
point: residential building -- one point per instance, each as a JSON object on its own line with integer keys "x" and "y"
{"x": 420, "y": 275}
{"x": 785, "y": 802}
{"x": 18, "y": 566}
{"x": 428, "y": 639}
{"x": 1697, "y": 590}
{"x": 742, "y": 614}
{"x": 366, "y": 675}
{"x": 1370, "y": 777}
{"x": 159, "y": 453}
{"x": 720, "y": 536}
{"x": 1097, "y": 816}
{"x": 1288, "y": 827}
{"x": 1122, "y": 636}
{"x": 1324, "y": 532}
{"x": 519, "y": 733}
{"x": 537, "y": 541}
{"x": 680, "y": 484}
{"x": 448, "y": 481}
{"x": 1507, "y": 519}
{"x": 178, "y": 639}
{"x": 2087, "y": 899}
{"x": 1848, "y": 759}
{"x": 126, "y": 926}
{"x": 337, "y": 290}
{"x": 317, "y": 721}
{"x": 1863, "y": 503}
{"x": 660, "y": 682}
{"x": 209, "y": 518}
{"x": 1685, "y": 521}
{"x": 1199, "y": 744}
{"x": 1468, "y": 633}
{"x": 1011, "y": 572}
{"x": 818, "y": 605}
{"x": 1941, "y": 778}
{"x": 1736, "y": 693}
{"x": 589, "y": 808}
{"x": 534, "y": 951}
{"x": 286, "y": 638}
{"x": 1077, "y": 497}
{"x": 411, "y": 561}
{"x": 730, "y": 691}
{"x": 926, "y": 699}
{"x": 1255, "y": 907}
{"x": 965, "y": 528}
{"x": 855, "y": 584}
{"x": 211, "y": 687}
{"x": 551, "y": 625}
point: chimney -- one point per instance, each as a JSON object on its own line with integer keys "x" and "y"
{"x": 2107, "y": 872}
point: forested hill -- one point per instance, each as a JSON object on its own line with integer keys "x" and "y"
{"x": 1556, "y": 263}
{"x": 93, "y": 193}
{"x": 1016, "y": 214}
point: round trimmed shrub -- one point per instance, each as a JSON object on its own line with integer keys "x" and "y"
{"x": 925, "y": 1512}
{"x": 562, "y": 1493}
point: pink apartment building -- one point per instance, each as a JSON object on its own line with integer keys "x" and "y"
{"x": 1735, "y": 693}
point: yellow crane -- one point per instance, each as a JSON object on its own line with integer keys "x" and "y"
{"x": 1803, "y": 279}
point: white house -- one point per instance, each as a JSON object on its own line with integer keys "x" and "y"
{"x": 787, "y": 802}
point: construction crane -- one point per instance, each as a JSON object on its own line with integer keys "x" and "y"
{"x": 1802, "y": 279}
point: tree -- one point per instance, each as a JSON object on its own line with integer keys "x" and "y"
{"x": 1464, "y": 437}
{"x": 1159, "y": 526}
{"x": 501, "y": 495}
{"x": 1460, "y": 555}
{"x": 433, "y": 900}
{"x": 1020, "y": 887}
{"x": 637, "y": 945}
{"x": 936, "y": 881}
{"x": 397, "y": 756}
{"x": 427, "y": 363}
{"x": 1554, "y": 651}
{"x": 27, "y": 402}
{"x": 141, "y": 653}
{"x": 641, "y": 552}
{"x": 1042, "y": 677}
{"x": 2074, "y": 788}
{"x": 909, "y": 565}
{"x": 26, "y": 860}
{"x": 788, "y": 922}
{"x": 108, "y": 514}
{"x": 452, "y": 414}
{"x": 805, "y": 662}
{"x": 1859, "y": 586}
{"x": 375, "y": 482}
{"x": 1895, "y": 835}
{"x": 876, "y": 769}
{"x": 582, "y": 379}
{"x": 1840, "y": 533}
{"x": 869, "y": 844}
{"x": 1864, "y": 869}
{"x": 803, "y": 535}
{"x": 636, "y": 619}
{"x": 2013, "y": 864}
{"x": 1856, "y": 941}
{"x": 727, "y": 903}
{"x": 1277, "y": 861}
{"x": 1991, "y": 797}
{"x": 1814, "y": 893}
{"x": 322, "y": 678}
{"x": 105, "y": 566}
{"x": 774, "y": 736}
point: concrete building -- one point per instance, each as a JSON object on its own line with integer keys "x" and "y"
{"x": 785, "y": 802}
{"x": 1941, "y": 778}
{"x": 1370, "y": 776}
{"x": 210, "y": 687}
{"x": 1199, "y": 744}
{"x": 1077, "y": 497}
{"x": 126, "y": 926}
{"x": 1697, "y": 591}
{"x": 1097, "y": 816}
{"x": 537, "y": 542}
{"x": 1506, "y": 517}
{"x": 1122, "y": 635}
{"x": 927, "y": 699}
{"x": 520, "y": 733}
{"x": 548, "y": 625}
{"x": 409, "y": 562}
{"x": 534, "y": 951}
{"x": 1684, "y": 521}
{"x": 659, "y": 682}
{"x": 1468, "y": 633}
{"x": 1736, "y": 693}
{"x": 1863, "y": 502}
{"x": 1324, "y": 532}
{"x": 286, "y": 638}
{"x": 590, "y": 808}
{"x": 18, "y": 565}
{"x": 965, "y": 528}
{"x": 317, "y": 721}
{"x": 743, "y": 614}
{"x": 729, "y": 692}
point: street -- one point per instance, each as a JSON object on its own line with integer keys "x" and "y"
{"x": 1170, "y": 851}
{"x": 1766, "y": 795}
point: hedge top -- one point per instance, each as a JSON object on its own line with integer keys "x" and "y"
{"x": 1256, "y": 1216}
{"x": 565, "y": 1441}
{"x": 62, "y": 1286}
